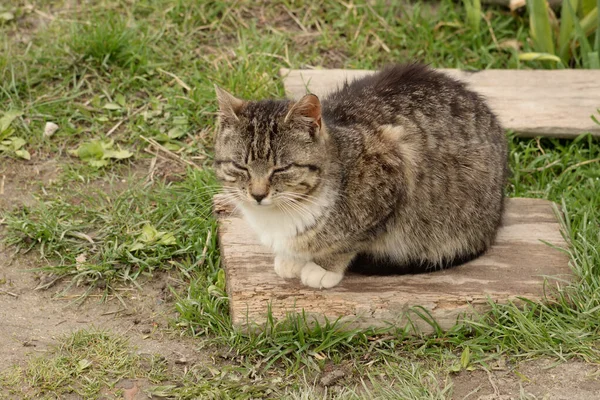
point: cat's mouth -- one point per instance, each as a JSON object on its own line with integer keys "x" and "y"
{"x": 262, "y": 202}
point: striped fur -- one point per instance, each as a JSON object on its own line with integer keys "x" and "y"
{"x": 404, "y": 168}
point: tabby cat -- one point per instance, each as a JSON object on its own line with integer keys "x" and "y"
{"x": 405, "y": 167}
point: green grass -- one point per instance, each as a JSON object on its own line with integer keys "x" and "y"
{"x": 85, "y": 363}
{"x": 73, "y": 72}
{"x": 101, "y": 239}
{"x": 148, "y": 70}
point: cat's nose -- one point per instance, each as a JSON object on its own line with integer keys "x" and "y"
{"x": 259, "y": 196}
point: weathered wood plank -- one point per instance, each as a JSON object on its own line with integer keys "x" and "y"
{"x": 542, "y": 102}
{"x": 515, "y": 266}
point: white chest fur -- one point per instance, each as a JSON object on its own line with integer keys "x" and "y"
{"x": 277, "y": 228}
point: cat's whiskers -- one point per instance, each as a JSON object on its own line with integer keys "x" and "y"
{"x": 235, "y": 198}
{"x": 288, "y": 204}
{"x": 304, "y": 197}
{"x": 285, "y": 209}
{"x": 302, "y": 209}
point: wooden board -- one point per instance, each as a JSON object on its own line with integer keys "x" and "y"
{"x": 515, "y": 266}
{"x": 532, "y": 103}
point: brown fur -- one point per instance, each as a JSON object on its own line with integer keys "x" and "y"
{"x": 407, "y": 166}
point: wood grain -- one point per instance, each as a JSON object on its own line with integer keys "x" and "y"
{"x": 516, "y": 266}
{"x": 532, "y": 103}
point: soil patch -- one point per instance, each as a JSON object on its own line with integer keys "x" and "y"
{"x": 539, "y": 379}
{"x": 19, "y": 181}
{"x": 33, "y": 320}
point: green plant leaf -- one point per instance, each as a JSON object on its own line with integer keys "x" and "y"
{"x": 587, "y": 6}
{"x": 112, "y": 106}
{"x": 6, "y": 16}
{"x": 594, "y": 60}
{"x": 180, "y": 120}
{"x": 596, "y": 120}
{"x": 176, "y": 132}
{"x": 137, "y": 246}
{"x": 17, "y": 143}
{"x": 7, "y": 119}
{"x": 473, "y": 9}
{"x": 167, "y": 239}
{"x": 7, "y": 133}
{"x": 590, "y": 22}
{"x": 83, "y": 364}
{"x": 149, "y": 234}
{"x": 172, "y": 146}
{"x": 14, "y": 145}
{"x": 90, "y": 151}
{"x": 98, "y": 163}
{"x": 581, "y": 37}
{"x": 98, "y": 153}
{"x": 120, "y": 99}
{"x": 465, "y": 358}
{"x": 538, "y": 57}
{"x": 22, "y": 153}
{"x": 117, "y": 154}
{"x": 541, "y": 31}
{"x": 597, "y": 40}
{"x": 566, "y": 29}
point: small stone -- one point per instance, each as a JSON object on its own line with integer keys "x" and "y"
{"x": 50, "y": 129}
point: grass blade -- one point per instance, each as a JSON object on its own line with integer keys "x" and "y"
{"x": 532, "y": 56}
{"x": 591, "y": 22}
{"x": 580, "y": 36}
{"x": 473, "y": 9}
{"x": 541, "y": 31}
{"x": 566, "y": 29}
{"x": 587, "y": 6}
{"x": 597, "y": 41}
{"x": 594, "y": 60}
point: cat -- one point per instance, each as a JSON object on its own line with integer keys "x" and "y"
{"x": 406, "y": 167}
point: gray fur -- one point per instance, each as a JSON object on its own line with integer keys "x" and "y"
{"x": 407, "y": 167}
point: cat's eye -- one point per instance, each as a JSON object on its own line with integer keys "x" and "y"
{"x": 239, "y": 166}
{"x": 282, "y": 169}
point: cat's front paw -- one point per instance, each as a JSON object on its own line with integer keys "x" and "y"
{"x": 288, "y": 267}
{"x": 315, "y": 276}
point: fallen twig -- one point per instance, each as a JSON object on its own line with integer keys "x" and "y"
{"x": 486, "y": 18}
{"x": 572, "y": 167}
{"x": 136, "y": 112}
{"x": 9, "y": 293}
{"x": 205, "y": 249}
{"x": 538, "y": 169}
{"x": 114, "y": 312}
{"x": 494, "y": 386}
{"x": 169, "y": 152}
{"x": 177, "y": 79}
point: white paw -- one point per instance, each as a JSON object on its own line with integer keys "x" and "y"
{"x": 315, "y": 276}
{"x": 288, "y": 267}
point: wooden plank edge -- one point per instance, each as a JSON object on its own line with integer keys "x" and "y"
{"x": 474, "y": 308}
{"x": 524, "y": 132}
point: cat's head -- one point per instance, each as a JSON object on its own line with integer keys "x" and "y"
{"x": 267, "y": 152}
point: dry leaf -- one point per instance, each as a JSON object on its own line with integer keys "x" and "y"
{"x": 510, "y": 44}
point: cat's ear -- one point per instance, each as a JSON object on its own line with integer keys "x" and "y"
{"x": 307, "y": 107}
{"x": 229, "y": 105}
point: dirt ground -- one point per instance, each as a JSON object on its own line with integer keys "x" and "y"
{"x": 539, "y": 379}
{"x": 31, "y": 320}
